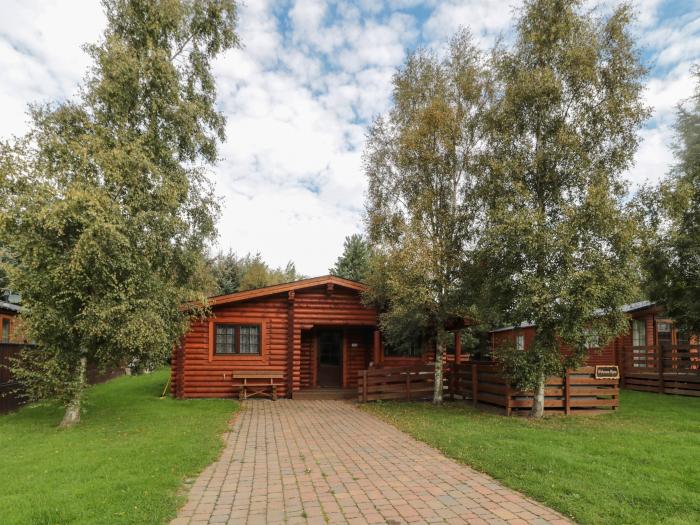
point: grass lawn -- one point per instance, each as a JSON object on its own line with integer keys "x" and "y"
{"x": 124, "y": 463}
{"x": 640, "y": 465}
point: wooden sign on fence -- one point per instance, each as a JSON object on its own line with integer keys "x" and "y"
{"x": 607, "y": 372}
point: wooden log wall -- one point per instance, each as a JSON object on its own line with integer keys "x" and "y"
{"x": 201, "y": 375}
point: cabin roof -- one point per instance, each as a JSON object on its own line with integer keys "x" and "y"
{"x": 626, "y": 308}
{"x": 287, "y": 287}
{"x": 10, "y": 307}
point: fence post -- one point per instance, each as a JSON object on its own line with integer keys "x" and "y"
{"x": 364, "y": 386}
{"x": 567, "y": 391}
{"x": 451, "y": 381}
{"x": 660, "y": 366}
{"x": 408, "y": 385}
{"x": 508, "y": 409}
{"x": 455, "y": 374}
{"x": 475, "y": 390}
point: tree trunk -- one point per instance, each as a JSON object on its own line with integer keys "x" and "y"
{"x": 538, "y": 400}
{"x": 439, "y": 356}
{"x": 72, "y": 415}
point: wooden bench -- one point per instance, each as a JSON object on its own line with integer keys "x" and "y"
{"x": 262, "y": 381}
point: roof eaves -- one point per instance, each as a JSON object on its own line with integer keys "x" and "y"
{"x": 285, "y": 287}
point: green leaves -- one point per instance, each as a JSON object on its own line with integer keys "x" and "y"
{"x": 110, "y": 207}
{"x": 558, "y": 246}
{"x": 422, "y": 162}
{"x": 672, "y": 255}
{"x": 354, "y": 263}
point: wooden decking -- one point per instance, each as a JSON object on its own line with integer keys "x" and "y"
{"x": 668, "y": 383}
{"x": 325, "y": 393}
{"x": 667, "y": 370}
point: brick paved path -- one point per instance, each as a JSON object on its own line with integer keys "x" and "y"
{"x": 320, "y": 462}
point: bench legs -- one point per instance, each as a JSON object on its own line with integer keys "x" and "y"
{"x": 243, "y": 392}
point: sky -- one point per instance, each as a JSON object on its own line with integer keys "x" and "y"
{"x": 300, "y": 92}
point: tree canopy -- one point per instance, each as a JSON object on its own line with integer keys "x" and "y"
{"x": 354, "y": 262}
{"x": 109, "y": 204}
{"x": 558, "y": 245}
{"x": 673, "y": 257}
{"x": 422, "y": 162}
{"x": 234, "y": 274}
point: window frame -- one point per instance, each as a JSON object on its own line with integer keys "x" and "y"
{"x": 236, "y": 339}
{"x": 643, "y": 324}
{"x": 238, "y": 322}
{"x": 234, "y": 335}
{"x": 592, "y": 340}
{"x": 6, "y": 322}
{"x": 520, "y": 342}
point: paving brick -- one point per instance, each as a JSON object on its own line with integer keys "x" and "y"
{"x": 326, "y": 462}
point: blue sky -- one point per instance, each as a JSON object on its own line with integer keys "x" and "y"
{"x": 300, "y": 92}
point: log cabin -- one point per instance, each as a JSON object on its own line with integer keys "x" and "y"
{"x": 315, "y": 333}
{"x": 654, "y": 354}
{"x": 645, "y": 317}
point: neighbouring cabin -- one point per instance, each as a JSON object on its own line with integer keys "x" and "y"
{"x": 9, "y": 312}
{"x": 316, "y": 333}
{"x": 652, "y": 355}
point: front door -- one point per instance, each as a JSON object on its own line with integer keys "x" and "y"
{"x": 330, "y": 358}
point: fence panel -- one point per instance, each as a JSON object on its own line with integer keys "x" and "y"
{"x": 9, "y": 400}
{"x": 483, "y": 383}
{"x": 399, "y": 383}
{"x": 673, "y": 369}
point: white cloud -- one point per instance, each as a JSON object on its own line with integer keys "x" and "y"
{"x": 300, "y": 92}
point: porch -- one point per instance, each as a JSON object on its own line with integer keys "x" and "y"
{"x": 663, "y": 368}
{"x": 329, "y": 360}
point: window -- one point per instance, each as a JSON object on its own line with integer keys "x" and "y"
{"x": 520, "y": 342}
{"x": 5, "y": 330}
{"x": 237, "y": 339}
{"x": 249, "y": 340}
{"x": 592, "y": 340}
{"x": 639, "y": 343}
{"x": 639, "y": 333}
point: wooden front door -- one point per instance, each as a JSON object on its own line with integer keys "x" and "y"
{"x": 330, "y": 358}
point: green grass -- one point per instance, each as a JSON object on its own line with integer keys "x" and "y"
{"x": 639, "y": 465}
{"x": 124, "y": 463}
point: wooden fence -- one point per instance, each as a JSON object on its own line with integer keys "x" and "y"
{"x": 576, "y": 391}
{"x": 399, "y": 383}
{"x": 673, "y": 369}
{"x": 10, "y": 400}
{"x": 483, "y": 383}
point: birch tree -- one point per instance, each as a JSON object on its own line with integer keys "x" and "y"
{"x": 109, "y": 204}
{"x": 558, "y": 249}
{"x": 421, "y": 160}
